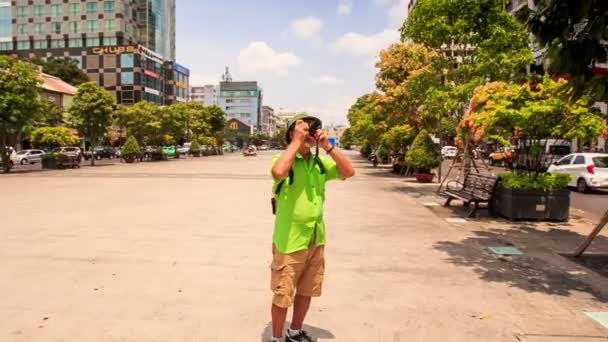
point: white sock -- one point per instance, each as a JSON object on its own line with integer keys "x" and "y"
{"x": 276, "y": 339}
{"x": 292, "y": 332}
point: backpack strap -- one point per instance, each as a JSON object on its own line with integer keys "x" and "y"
{"x": 280, "y": 186}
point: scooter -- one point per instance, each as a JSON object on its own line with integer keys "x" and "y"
{"x": 374, "y": 159}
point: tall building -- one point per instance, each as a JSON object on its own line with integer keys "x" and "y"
{"x": 270, "y": 121}
{"x": 127, "y": 46}
{"x": 242, "y": 101}
{"x": 207, "y": 94}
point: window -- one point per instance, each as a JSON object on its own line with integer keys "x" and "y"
{"x": 57, "y": 43}
{"x": 109, "y": 7}
{"x": 23, "y": 45}
{"x": 75, "y": 42}
{"x": 110, "y": 25}
{"x": 39, "y": 28}
{"x": 74, "y": 9}
{"x": 6, "y": 22}
{"x": 126, "y": 78}
{"x": 41, "y": 44}
{"x": 39, "y": 10}
{"x": 93, "y": 42}
{"x": 6, "y": 46}
{"x": 22, "y": 11}
{"x": 91, "y": 7}
{"x": 109, "y": 41}
{"x": 229, "y": 100}
{"x": 579, "y": 160}
{"x": 74, "y": 27}
{"x": 565, "y": 160}
{"x": 56, "y": 28}
{"x": 56, "y": 10}
{"x": 92, "y": 26}
{"x": 601, "y": 162}
{"x": 22, "y": 29}
{"x": 126, "y": 61}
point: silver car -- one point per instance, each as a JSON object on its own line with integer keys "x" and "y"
{"x": 29, "y": 157}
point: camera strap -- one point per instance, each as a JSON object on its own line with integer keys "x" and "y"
{"x": 280, "y": 185}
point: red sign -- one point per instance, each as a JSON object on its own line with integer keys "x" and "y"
{"x": 152, "y": 74}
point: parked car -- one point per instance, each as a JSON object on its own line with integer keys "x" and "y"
{"x": 504, "y": 157}
{"x": 70, "y": 151}
{"x": 553, "y": 150}
{"x": 185, "y": 149}
{"x": 588, "y": 170}
{"x": 101, "y": 152}
{"x": 449, "y": 152}
{"x": 169, "y": 151}
{"x": 264, "y": 148}
{"x": 29, "y": 157}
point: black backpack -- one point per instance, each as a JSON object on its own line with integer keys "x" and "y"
{"x": 277, "y": 191}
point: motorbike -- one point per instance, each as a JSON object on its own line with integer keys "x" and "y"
{"x": 374, "y": 159}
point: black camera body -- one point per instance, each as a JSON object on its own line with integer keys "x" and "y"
{"x": 313, "y": 127}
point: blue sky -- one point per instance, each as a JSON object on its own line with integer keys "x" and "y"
{"x": 312, "y": 55}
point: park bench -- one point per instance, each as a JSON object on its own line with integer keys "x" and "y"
{"x": 475, "y": 189}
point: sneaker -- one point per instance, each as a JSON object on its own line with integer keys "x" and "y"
{"x": 301, "y": 337}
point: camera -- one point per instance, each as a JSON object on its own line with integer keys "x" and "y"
{"x": 313, "y": 127}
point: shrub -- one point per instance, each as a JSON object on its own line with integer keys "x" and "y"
{"x": 366, "y": 149}
{"x": 130, "y": 149}
{"x": 195, "y": 147}
{"x": 53, "y": 137}
{"x": 423, "y": 156}
{"x": 546, "y": 182}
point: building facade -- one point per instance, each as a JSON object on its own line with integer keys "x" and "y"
{"x": 269, "y": 121}
{"x": 178, "y": 88}
{"x": 242, "y": 101}
{"x": 126, "y": 46}
{"x": 207, "y": 94}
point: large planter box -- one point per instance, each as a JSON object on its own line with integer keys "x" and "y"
{"x": 529, "y": 205}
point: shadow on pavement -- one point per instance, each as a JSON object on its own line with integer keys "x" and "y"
{"x": 314, "y": 332}
{"x": 526, "y": 272}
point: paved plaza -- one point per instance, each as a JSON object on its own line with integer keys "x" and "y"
{"x": 179, "y": 251}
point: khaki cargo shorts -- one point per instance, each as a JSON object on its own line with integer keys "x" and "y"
{"x": 298, "y": 273}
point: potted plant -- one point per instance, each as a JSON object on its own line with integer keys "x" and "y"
{"x": 195, "y": 148}
{"x": 529, "y": 119}
{"x": 423, "y": 157}
{"x": 130, "y": 150}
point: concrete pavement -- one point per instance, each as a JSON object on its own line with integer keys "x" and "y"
{"x": 179, "y": 251}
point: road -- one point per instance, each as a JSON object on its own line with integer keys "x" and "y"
{"x": 179, "y": 251}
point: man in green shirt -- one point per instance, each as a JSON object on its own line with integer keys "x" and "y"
{"x": 298, "y": 263}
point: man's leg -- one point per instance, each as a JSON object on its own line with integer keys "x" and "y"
{"x": 278, "y": 320}
{"x": 300, "y": 308}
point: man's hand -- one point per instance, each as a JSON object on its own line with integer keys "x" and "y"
{"x": 300, "y": 132}
{"x": 323, "y": 140}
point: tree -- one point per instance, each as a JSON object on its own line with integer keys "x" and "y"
{"x": 199, "y": 119}
{"x": 574, "y": 35}
{"x": 130, "y": 150}
{"x": 53, "y": 115}
{"x": 216, "y": 119}
{"x": 19, "y": 104}
{"x": 65, "y": 68}
{"x": 397, "y": 139}
{"x": 52, "y": 137}
{"x": 173, "y": 121}
{"x": 141, "y": 121}
{"x": 509, "y": 112}
{"x": 346, "y": 141}
{"x": 423, "y": 156}
{"x": 367, "y": 120}
{"x": 92, "y": 112}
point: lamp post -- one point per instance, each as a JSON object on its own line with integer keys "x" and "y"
{"x": 440, "y": 128}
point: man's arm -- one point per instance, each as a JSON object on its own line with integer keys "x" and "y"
{"x": 281, "y": 168}
{"x": 345, "y": 167}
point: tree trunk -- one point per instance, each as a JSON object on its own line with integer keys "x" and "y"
{"x": 175, "y": 150}
{"x": 3, "y": 152}
{"x": 92, "y": 149}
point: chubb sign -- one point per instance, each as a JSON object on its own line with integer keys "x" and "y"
{"x": 114, "y": 50}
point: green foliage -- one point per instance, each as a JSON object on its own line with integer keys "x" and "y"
{"x": 65, "y": 68}
{"x": 57, "y": 157}
{"x": 53, "y": 115}
{"x": 92, "y": 111}
{"x": 397, "y": 139}
{"x": 141, "y": 121}
{"x": 545, "y": 182}
{"x": 130, "y": 149}
{"x": 346, "y": 141}
{"x": 423, "y": 156}
{"x": 52, "y": 137}
{"x": 198, "y": 121}
{"x": 195, "y": 147}
{"x": 20, "y": 106}
{"x": 574, "y": 33}
{"x": 366, "y": 149}
{"x": 216, "y": 119}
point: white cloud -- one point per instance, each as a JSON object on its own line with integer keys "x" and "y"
{"x": 382, "y": 2}
{"x": 397, "y": 13}
{"x": 259, "y": 57}
{"x": 307, "y": 28}
{"x": 361, "y": 45}
{"x": 334, "y": 111}
{"x": 345, "y": 7}
{"x": 200, "y": 80}
{"x": 327, "y": 80}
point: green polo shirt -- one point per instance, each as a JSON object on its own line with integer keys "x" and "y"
{"x": 300, "y": 205}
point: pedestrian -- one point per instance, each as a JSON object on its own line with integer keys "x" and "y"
{"x": 298, "y": 262}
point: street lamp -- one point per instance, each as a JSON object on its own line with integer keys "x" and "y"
{"x": 444, "y": 73}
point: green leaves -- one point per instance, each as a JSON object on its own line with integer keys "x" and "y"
{"x": 545, "y": 182}
{"x": 423, "y": 156}
{"x": 130, "y": 149}
{"x": 92, "y": 110}
{"x": 53, "y": 137}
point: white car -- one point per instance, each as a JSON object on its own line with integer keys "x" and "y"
{"x": 588, "y": 170}
{"x": 448, "y": 152}
{"x": 29, "y": 157}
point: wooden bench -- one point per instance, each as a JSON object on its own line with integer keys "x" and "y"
{"x": 476, "y": 189}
